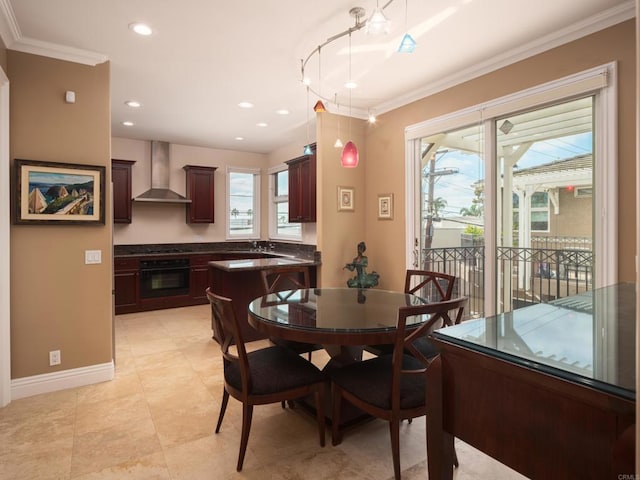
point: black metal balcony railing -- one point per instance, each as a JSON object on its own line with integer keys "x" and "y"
{"x": 528, "y": 275}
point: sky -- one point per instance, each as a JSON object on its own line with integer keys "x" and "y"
{"x": 457, "y": 188}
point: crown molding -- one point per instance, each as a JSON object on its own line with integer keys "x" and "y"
{"x": 608, "y": 18}
{"x": 13, "y": 40}
{"x": 9, "y": 29}
{"x": 61, "y": 52}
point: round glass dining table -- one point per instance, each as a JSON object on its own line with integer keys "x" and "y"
{"x": 333, "y": 316}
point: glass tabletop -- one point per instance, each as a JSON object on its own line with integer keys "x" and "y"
{"x": 587, "y": 338}
{"x": 346, "y": 310}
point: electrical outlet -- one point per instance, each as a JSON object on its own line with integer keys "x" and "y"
{"x": 54, "y": 358}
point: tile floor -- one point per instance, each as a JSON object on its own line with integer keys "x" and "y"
{"x": 155, "y": 420}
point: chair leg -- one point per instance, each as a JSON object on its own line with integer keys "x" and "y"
{"x": 320, "y": 412}
{"x": 336, "y": 400}
{"x": 284, "y": 405}
{"x": 223, "y": 408}
{"x": 394, "y": 430}
{"x": 309, "y": 356}
{"x": 247, "y": 414}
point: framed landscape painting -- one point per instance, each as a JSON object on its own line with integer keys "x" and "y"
{"x": 58, "y": 193}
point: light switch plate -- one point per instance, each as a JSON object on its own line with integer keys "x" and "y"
{"x": 92, "y": 256}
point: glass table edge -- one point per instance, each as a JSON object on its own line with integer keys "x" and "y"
{"x": 599, "y": 385}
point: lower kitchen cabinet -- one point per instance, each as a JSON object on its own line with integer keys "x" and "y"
{"x": 126, "y": 284}
{"x": 200, "y": 277}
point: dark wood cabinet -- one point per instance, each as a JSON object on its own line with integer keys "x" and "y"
{"x": 200, "y": 277}
{"x": 126, "y": 284}
{"x": 121, "y": 178}
{"x": 302, "y": 188}
{"x": 200, "y": 190}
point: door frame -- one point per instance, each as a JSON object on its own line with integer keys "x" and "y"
{"x": 5, "y": 226}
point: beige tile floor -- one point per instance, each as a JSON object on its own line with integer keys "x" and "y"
{"x": 155, "y": 420}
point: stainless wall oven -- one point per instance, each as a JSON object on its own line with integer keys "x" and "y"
{"x": 164, "y": 277}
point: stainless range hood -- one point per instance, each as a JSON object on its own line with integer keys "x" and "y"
{"x": 159, "y": 191}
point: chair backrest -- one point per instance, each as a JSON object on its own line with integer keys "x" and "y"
{"x": 437, "y": 312}
{"x": 276, "y": 280}
{"x": 227, "y": 332}
{"x": 429, "y": 285}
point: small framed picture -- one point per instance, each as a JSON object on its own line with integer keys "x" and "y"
{"x": 385, "y": 206}
{"x": 346, "y": 199}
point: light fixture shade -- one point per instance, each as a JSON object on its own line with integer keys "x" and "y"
{"x": 319, "y": 107}
{"x": 407, "y": 45}
{"x": 338, "y": 143}
{"x": 307, "y": 150}
{"x": 349, "y": 157}
{"x": 378, "y": 23}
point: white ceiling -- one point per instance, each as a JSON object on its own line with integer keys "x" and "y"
{"x": 206, "y": 56}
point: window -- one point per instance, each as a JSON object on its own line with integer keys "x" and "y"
{"x": 279, "y": 226}
{"x": 243, "y": 203}
{"x": 539, "y": 218}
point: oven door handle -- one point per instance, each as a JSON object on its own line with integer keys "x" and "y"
{"x": 162, "y": 269}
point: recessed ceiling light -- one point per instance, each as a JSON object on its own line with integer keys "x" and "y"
{"x": 133, "y": 104}
{"x": 141, "y": 28}
{"x": 127, "y": 123}
{"x": 245, "y": 105}
{"x": 239, "y": 138}
{"x": 350, "y": 84}
{"x": 262, "y": 124}
{"x": 282, "y": 111}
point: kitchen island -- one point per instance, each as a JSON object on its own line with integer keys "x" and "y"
{"x": 241, "y": 281}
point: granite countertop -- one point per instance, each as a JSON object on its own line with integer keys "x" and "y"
{"x": 300, "y": 253}
{"x": 259, "y": 263}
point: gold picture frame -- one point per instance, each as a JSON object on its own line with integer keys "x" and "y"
{"x": 385, "y": 206}
{"x": 346, "y": 199}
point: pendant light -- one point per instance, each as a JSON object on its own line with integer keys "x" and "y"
{"x": 319, "y": 106}
{"x": 378, "y": 22}
{"x": 307, "y": 147}
{"x": 338, "y": 143}
{"x": 349, "y": 157}
{"x": 407, "y": 44}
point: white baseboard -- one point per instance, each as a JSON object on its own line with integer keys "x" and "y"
{"x": 52, "y": 382}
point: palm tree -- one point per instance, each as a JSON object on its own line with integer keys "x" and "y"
{"x": 477, "y": 205}
{"x": 437, "y": 206}
{"x": 234, "y": 213}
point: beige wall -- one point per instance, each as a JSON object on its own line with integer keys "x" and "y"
{"x": 58, "y": 302}
{"x": 165, "y": 223}
{"x": 340, "y": 232}
{"x": 382, "y": 169}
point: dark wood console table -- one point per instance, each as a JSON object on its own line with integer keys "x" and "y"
{"x": 548, "y": 390}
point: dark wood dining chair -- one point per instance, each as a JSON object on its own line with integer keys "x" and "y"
{"x": 270, "y": 375}
{"x": 429, "y": 285}
{"x": 282, "y": 280}
{"x": 390, "y": 387}
{"x": 432, "y": 286}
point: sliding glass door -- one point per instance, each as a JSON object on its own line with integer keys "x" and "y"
{"x": 504, "y": 198}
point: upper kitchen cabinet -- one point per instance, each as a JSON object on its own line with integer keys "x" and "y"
{"x": 121, "y": 178}
{"x": 302, "y": 188}
{"x": 200, "y": 190}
